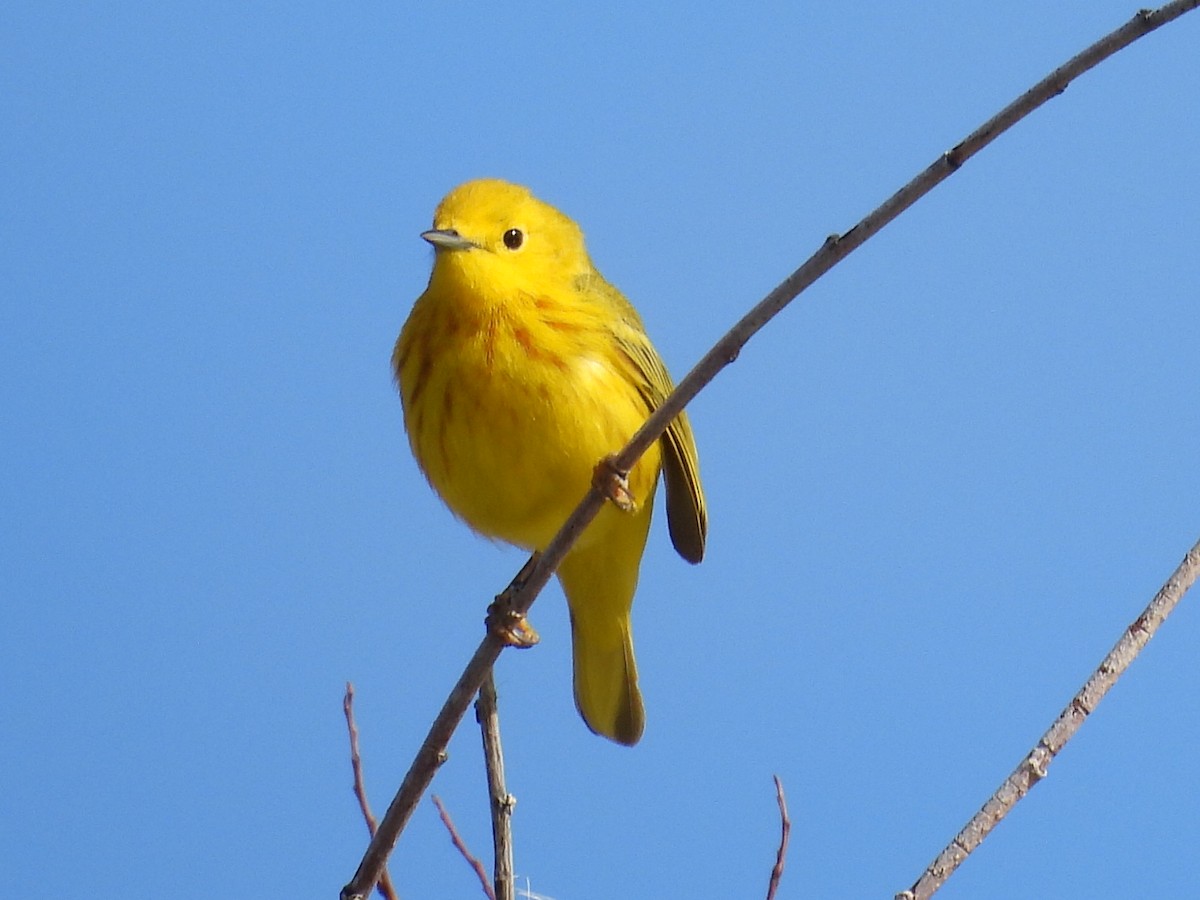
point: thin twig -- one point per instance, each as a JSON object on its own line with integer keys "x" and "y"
{"x": 522, "y": 592}
{"x": 1034, "y": 766}
{"x": 461, "y": 845}
{"x": 386, "y": 889}
{"x": 502, "y": 802}
{"x": 785, "y": 829}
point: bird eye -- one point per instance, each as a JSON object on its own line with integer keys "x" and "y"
{"x": 514, "y": 238}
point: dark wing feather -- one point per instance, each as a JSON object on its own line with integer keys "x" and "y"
{"x": 687, "y": 516}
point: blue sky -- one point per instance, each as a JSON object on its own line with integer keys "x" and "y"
{"x": 939, "y": 486}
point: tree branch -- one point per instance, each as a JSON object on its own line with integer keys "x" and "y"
{"x": 386, "y": 889}
{"x": 785, "y": 829}
{"x": 502, "y": 802}
{"x": 1033, "y": 767}
{"x": 461, "y": 846}
{"x": 522, "y": 592}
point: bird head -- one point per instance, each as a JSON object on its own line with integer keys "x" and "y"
{"x": 490, "y": 235}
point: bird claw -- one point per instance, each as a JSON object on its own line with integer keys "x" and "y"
{"x": 614, "y": 484}
{"x": 510, "y": 626}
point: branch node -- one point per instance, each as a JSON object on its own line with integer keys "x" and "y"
{"x": 1039, "y": 761}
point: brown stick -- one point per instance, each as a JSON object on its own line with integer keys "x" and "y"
{"x": 461, "y": 846}
{"x": 502, "y": 802}
{"x": 386, "y": 889}
{"x": 785, "y": 827}
{"x": 1033, "y": 767}
{"x": 836, "y": 248}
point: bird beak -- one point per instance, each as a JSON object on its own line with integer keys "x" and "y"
{"x": 447, "y": 239}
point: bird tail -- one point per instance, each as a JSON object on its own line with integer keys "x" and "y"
{"x": 599, "y": 581}
{"x": 606, "y": 681}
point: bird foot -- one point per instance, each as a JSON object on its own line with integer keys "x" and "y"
{"x": 510, "y": 626}
{"x": 614, "y": 484}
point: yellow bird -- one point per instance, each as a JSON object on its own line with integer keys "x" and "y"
{"x": 520, "y": 368}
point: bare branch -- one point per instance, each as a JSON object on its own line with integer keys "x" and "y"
{"x": 785, "y": 828}
{"x": 386, "y": 889}
{"x": 502, "y": 802}
{"x": 461, "y": 845}
{"x": 1034, "y": 766}
{"x": 521, "y": 593}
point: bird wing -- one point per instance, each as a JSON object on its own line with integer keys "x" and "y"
{"x": 687, "y": 517}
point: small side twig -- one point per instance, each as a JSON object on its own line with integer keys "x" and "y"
{"x": 785, "y": 828}
{"x": 1033, "y": 767}
{"x": 386, "y": 889}
{"x": 461, "y": 845}
{"x": 502, "y": 802}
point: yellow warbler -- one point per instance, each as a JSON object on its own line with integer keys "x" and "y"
{"x": 519, "y": 369}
